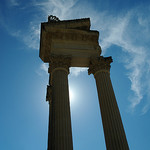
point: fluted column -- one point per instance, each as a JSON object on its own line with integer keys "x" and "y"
{"x": 115, "y": 137}
{"x": 60, "y": 132}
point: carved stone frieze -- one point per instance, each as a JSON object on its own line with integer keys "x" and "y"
{"x": 59, "y": 62}
{"x": 99, "y": 64}
{"x": 76, "y": 36}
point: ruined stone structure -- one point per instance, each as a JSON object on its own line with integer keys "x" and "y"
{"x": 71, "y": 43}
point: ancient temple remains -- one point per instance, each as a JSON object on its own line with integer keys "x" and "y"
{"x": 71, "y": 43}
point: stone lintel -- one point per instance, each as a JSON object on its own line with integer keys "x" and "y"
{"x": 69, "y": 38}
{"x": 79, "y": 44}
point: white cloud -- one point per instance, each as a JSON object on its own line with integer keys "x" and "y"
{"x": 58, "y": 8}
{"x": 130, "y": 31}
{"x": 145, "y": 109}
{"x": 75, "y": 71}
{"x": 127, "y": 32}
{"x": 13, "y": 3}
{"x": 32, "y": 37}
{"x": 44, "y": 67}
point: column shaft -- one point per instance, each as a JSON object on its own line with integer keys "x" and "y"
{"x": 115, "y": 137}
{"x": 60, "y": 132}
{"x": 113, "y": 128}
{"x": 61, "y": 120}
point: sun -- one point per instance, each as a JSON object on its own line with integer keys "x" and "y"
{"x": 71, "y": 94}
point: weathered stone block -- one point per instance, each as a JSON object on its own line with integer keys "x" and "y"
{"x": 71, "y": 38}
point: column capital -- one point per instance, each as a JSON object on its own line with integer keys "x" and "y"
{"x": 59, "y": 62}
{"x": 99, "y": 64}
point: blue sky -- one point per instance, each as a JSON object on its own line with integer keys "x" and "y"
{"x": 124, "y": 28}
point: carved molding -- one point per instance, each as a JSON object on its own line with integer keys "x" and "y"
{"x": 49, "y": 94}
{"x": 99, "y": 64}
{"x": 59, "y": 62}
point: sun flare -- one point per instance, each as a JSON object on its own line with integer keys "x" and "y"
{"x": 71, "y": 94}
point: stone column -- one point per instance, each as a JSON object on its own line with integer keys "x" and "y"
{"x": 115, "y": 137}
{"x": 60, "y": 132}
